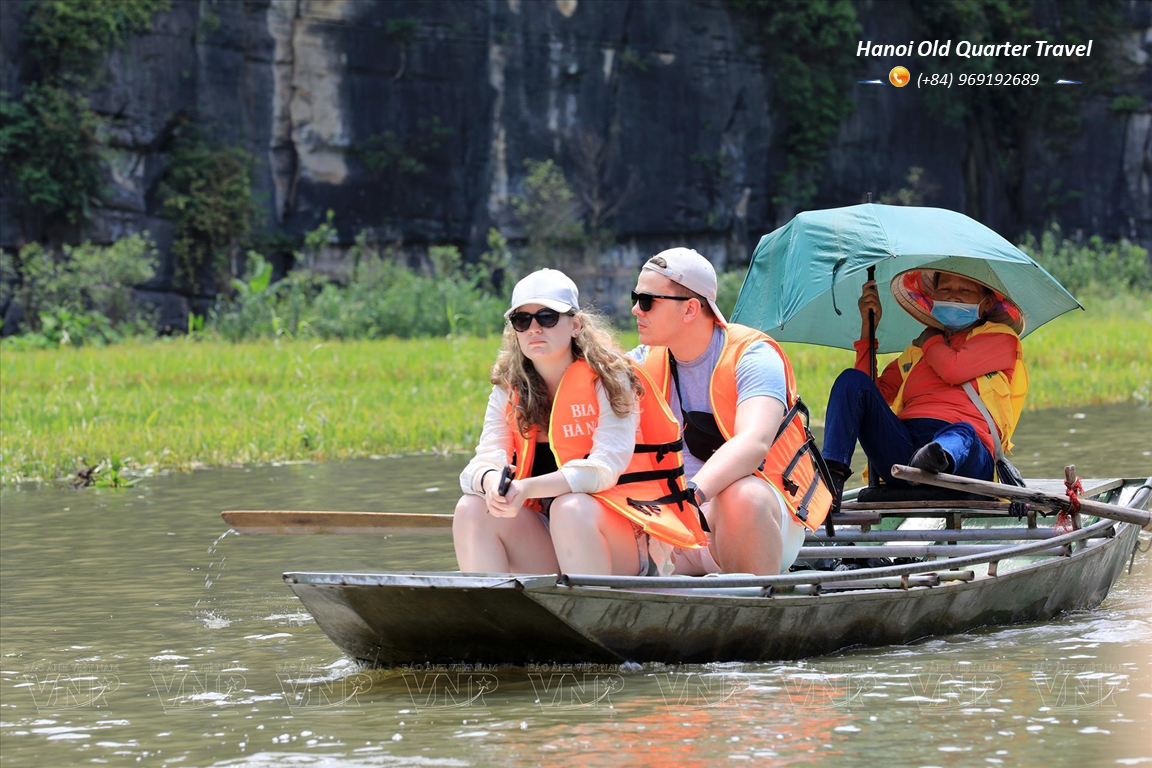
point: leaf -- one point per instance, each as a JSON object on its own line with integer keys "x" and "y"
{"x": 263, "y": 278}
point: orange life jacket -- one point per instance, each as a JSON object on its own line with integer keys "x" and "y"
{"x": 793, "y": 464}
{"x": 650, "y": 492}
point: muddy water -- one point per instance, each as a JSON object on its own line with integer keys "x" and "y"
{"x": 133, "y": 634}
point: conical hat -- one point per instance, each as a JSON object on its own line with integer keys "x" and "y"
{"x": 913, "y": 291}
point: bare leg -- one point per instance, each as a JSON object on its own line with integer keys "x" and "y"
{"x": 487, "y": 544}
{"x": 745, "y": 522}
{"x": 592, "y": 539}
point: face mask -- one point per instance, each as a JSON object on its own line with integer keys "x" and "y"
{"x": 955, "y": 315}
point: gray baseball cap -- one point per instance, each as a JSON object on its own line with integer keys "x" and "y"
{"x": 691, "y": 270}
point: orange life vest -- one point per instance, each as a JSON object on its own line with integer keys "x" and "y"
{"x": 793, "y": 464}
{"x": 650, "y": 492}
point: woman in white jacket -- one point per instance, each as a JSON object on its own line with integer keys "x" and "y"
{"x": 546, "y": 522}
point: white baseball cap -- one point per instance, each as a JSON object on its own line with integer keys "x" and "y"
{"x": 688, "y": 268}
{"x": 548, "y": 287}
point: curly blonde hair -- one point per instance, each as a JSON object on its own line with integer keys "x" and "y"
{"x": 595, "y": 344}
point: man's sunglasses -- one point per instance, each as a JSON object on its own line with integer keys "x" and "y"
{"x": 645, "y": 299}
{"x": 546, "y": 318}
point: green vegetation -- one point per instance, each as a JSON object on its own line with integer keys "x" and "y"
{"x": 381, "y": 298}
{"x": 180, "y": 403}
{"x": 209, "y": 23}
{"x": 920, "y": 190}
{"x": 81, "y": 295}
{"x": 548, "y": 210}
{"x": 393, "y": 159}
{"x": 1131, "y": 102}
{"x": 715, "y": 172}
{"x": 633, "y": 58}
{"x": 1099, "y": 356}
{"x": 728, "y": 289}
{"x": 810, "y": 45}
{"x": 50, "y": 147}
{"x": 1017, "y": 112}
{"x": 109, "y": 473}
{"x": 994, "y": 21}
{"x": 1092, "y": 268}
{"x": 206, "y": 191}
{"x": 67, "y": 36}
{"x": 49, "y": 137}
{"x": 403, "y": 32}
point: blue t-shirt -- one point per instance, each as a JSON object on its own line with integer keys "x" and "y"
{"x": 760, "y": 373}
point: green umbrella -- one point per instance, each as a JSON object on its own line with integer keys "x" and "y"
{"x": 805, "y": 277}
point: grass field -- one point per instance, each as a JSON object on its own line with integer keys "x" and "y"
{"x": 182, "y": 404}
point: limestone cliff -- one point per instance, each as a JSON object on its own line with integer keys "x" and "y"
{"x": 673, "y": 93}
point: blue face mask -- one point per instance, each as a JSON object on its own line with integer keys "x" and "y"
{"x": 955, "y": 315}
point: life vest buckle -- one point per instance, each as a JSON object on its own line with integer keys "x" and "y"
{"x": 647, "y": 507}
{"x": 790, "y": 486}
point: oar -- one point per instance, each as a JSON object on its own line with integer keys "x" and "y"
{"x": 277, "y": 522}
{"x": 1036, "y": 498}
{"x": 291, "y": 522}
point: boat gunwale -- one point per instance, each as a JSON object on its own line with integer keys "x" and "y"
{"x": 827, "y": 577}
{"x": 705, "y": 586}
{"x": 656, "y": 594}
{"x": 532, "y": 584}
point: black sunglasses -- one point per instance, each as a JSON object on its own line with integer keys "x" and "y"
{"x": 546, "y": 318}
{"x": 645, "y": 299}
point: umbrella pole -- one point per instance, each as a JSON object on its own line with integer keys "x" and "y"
{"x": 873, "y": 480}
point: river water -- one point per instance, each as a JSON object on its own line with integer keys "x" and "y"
{"x": 132, "y": 634}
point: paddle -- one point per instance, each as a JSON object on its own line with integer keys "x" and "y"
{"x": 292, "y": 522}
{"x": 1038, "y": 498}
{"x": 277, "y": 522}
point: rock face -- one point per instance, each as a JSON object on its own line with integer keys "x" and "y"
{"x": 670, "y": 96}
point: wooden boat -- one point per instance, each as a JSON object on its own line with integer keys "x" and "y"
{"x": 1032, "y": 573}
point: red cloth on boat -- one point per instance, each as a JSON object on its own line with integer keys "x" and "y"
{"x": 935, "y": 385}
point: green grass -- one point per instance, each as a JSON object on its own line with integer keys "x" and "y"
{"x": 182, "y": 404}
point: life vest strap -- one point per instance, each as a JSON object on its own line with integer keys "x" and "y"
{"x": 802, "y": 507}
{"x": 785, "y": 476}
{"x": 652, "y": 506}
{"x": 789, "y": 415}
{"x": 660, "y": 449}
{"x": 655, "y": 474}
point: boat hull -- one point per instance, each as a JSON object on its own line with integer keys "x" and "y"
{"x": 398, "y": 619}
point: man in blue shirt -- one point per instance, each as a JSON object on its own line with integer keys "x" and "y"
{"x": 751, "y": 529}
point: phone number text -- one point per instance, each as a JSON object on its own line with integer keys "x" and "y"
{"x": 947, "y": 79}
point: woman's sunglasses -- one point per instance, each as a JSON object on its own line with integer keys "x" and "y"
{"x": 645, "y": 299}
{"x": 546, "y": 318}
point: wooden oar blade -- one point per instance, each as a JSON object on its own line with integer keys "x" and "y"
{"x": 302, "y": 523}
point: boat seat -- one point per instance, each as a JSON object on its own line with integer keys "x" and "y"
{"x": 885, "y": 494}
{"x": 856, "y": 518}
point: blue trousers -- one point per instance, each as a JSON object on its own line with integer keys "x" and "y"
{"x": 857, "y": 412}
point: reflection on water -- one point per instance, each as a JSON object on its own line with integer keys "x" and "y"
{"x": 133, "y": 631}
